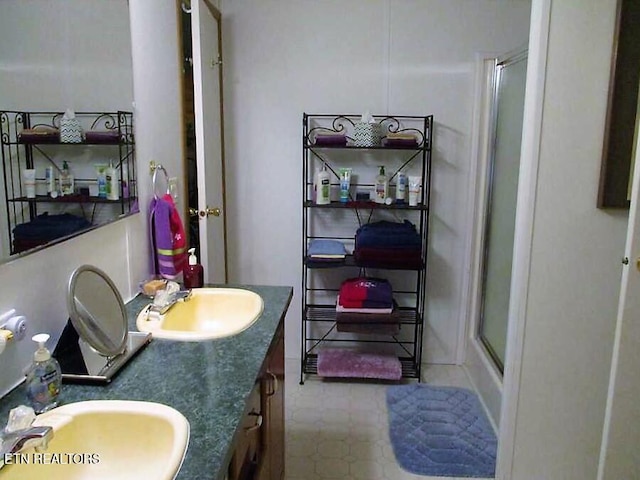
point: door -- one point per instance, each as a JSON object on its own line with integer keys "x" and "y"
{"x": 619, "y": 455}
{"x": 207, "y": 92}
{"x": 503, "y": 171}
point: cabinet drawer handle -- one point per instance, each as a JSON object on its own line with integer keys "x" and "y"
{"x": 275, "y": 384}
{"x": 257, "y": 425}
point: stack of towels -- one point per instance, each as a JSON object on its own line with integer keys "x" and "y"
{"x": 400, "y": 139}
{"x": 330, "y": 139}
{"x": 325, "y": 253}
{"x": 387, "y": 244}
{"x": 365, "y": 305}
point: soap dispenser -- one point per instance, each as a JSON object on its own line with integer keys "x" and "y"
{"x": 66, "y": 180}
{"x": 193, "y": 275}
{"x": 43, "y": 378}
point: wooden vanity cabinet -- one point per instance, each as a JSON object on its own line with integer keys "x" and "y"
{"x": 272, "y": 397}
{"x": 248, "y": 444}
{"x": 259, "y": 442}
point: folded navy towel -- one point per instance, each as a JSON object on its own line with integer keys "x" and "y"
{"x": 50, "y": 227}
{"x": 388, "y": 234}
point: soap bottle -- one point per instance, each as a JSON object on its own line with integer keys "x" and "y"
{"x": 112, "y": 183}
{"x": 43, "y": 378}
{"x": 323, "y": 194}
{"x": 66, "y": 180}
{"x": 381, "y": 186}
{"x": 193, "y": 275}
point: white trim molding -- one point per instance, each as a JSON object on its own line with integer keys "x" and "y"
{"x": 527, "y": 187}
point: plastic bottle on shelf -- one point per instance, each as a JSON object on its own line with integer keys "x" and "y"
{"x": 401, "y": 187}
{"x": 323, "y": 194}
{"x": 50, "y": 180}
{"x": 112, "y": 183}
{"x": 381, "y": 189}
{"x": 66, "y": 180}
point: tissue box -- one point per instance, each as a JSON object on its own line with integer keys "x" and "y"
{"x": 367, "y": 134}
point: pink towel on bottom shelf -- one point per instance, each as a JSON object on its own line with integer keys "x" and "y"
{"x": 345, "y": 363}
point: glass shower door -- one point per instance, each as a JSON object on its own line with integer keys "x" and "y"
{"x": 504, "y": 167}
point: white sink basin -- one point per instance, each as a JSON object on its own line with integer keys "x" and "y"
{"x": 106, "y": 439}
{"x": 208, "y": 313}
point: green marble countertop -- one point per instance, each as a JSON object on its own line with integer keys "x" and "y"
{"x": 208, "y": 382}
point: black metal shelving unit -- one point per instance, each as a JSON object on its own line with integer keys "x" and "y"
{"x": 338, "y": 221}
{"x": 20, "y": 152}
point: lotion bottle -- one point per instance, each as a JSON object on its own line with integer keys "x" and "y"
{"x": 43, "y": 378}
{"x": 323, "y": 194}
{"x": 66, "y": 180}
{"x": 111, "y": 179}
{"x": 381, "y": 186}
{"x": 193, "y": 275}
{"x": 401, "y": 187}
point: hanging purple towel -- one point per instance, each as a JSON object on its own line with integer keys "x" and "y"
{"x": 168, "y": 239}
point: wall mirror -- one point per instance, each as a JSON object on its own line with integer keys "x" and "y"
{"x": 621, "y": 125}
{"x": 57, "y": 55}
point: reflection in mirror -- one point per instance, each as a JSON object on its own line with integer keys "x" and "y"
{"x": 95, "y": 344}
{"x": 57, "y": 55}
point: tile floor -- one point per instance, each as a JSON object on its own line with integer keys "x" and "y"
{"x": 339, "y": 429}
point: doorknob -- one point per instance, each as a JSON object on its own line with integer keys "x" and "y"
{"x": 210, "y": 211}
{"x": 193, "y": 212}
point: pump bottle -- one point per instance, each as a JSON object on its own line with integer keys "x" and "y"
{"x": 323, "y": 194}
{"x": 381, "y": 189}
{"x": 43, "y": 378}
{"x": 193, "y": 275}
{"x": 112, "y": 183}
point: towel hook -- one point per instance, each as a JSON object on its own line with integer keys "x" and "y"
{"x": 154, "y": 180}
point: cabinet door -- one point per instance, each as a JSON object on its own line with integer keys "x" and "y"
{"x": 272, "y": 390}
{"x": 248, "y": 445}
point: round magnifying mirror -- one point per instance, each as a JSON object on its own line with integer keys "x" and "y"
{"x": 97, "y": 311}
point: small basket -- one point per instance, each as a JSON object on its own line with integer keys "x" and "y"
{"x": 367, "y": 134}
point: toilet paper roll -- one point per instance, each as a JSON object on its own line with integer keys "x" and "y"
{"x": 5, "y": 335}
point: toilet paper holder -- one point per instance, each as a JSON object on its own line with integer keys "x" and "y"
{"x": 12, "y": 327}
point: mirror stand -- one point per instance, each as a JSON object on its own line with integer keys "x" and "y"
{"x": 101, "y": 369}
{"x": 95, "y": 344}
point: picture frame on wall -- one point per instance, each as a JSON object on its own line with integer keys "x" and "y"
{"x": 621, "y": 125}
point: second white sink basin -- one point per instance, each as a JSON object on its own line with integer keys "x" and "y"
{"x": 208, "y": 313}
{"x": 106, "y": 439}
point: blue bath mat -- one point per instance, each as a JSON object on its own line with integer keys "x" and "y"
{"x": 440, "y": 431}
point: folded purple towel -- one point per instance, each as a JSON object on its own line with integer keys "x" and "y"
{"x": 102, "y": 137}
{"x": 331, "y": 139}
{"x": 399, "y": 142}
{"x": 342, "y": 362}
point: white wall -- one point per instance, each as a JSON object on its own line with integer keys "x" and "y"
{"x": 65, "y": 54}
{"x": 574, "y": 279}
{"x": 283, "y": 58}
{"x": 35, "y": 285}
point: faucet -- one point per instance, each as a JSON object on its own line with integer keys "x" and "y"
{"x": 13, "y": 442}
{"x": 173, "y": 298}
